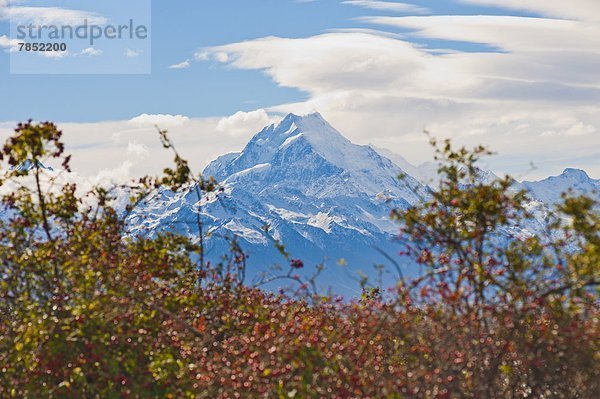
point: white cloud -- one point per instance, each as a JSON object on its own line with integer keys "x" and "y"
{"x": 129, "y": 53}
{"x": 545, "y": 60}
{"x": 160, "y": 120}
{"x": 50, "y": 16}
{"x": 135, "y": 148}
{"x": 202, "y": 56}
{"x": 507, "y": 32}
{"x": 52, "y": 181}
{"x": 575, "y": 9}
{"x": 387, "y": 6}
{"x": 91, "y": 52}
{"x": 182, "y": 65}
{"x": 382, "y": 89}
{"x": 54, "y": 54}
{"x": 327, "y": 62}
{"x": 219, "y": 56}
{"x": 539, "y": 55}
{"x": 244, "y": 123}
{"x": 580, "y": 129}
{"x": 112, "y": 176}
{"x": 8, "y": 43}
{"x": 222, "y": 56}
{"x": 534, "y": 99}
{"x": 117, "y": 151}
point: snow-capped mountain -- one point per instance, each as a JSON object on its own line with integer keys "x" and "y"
{"x": 307, "y": 153}
{"x": 30, "y": 165}
{"x": 575, "y": 181}
{"x": 426, "y": 173}
{"x": 325, "y": 198}
{"x": 301, "y": 183}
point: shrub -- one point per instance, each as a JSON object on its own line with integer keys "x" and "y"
{"x": 86, "y": 312}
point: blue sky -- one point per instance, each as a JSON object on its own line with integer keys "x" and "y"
{"x": 519, "y": 76}
{"x": 179, "y": 28}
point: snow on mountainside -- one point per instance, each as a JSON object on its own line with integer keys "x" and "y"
{"x": 549, "y": 190}
{"x": 322, "y": 196}
{"x": 30, "y": 165}
{"x": 426, "y": 172}
{"x": 309, "y": 151}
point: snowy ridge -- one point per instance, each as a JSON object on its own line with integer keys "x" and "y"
{"x": 301, "y": 182}
{"x": 549, "y": 191}
{"x": 324, "y": 197}
{"x": 30, "y": 165}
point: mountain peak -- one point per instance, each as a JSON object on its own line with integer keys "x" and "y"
{"x": 550, "y": 190}
{"x": 311, "y": 115}
{"x": 313, "y": 122}
{"x": 306, "y": 153}
{"x": 312, "y": 128}
{"x": 309, "y": 131}
{"x": 573, "y": 173}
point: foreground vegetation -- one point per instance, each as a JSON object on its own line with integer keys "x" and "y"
{"x": 87, "y": 313}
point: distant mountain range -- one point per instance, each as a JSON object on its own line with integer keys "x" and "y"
{"x": 550, "y": 190}
{"x": 302, "y": 183}
{"x": 30, "y": 165}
